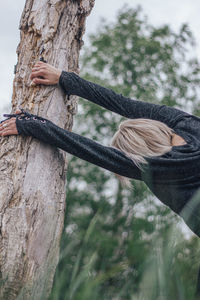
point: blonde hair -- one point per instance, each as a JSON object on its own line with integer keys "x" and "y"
{"x": 140, "y": 138}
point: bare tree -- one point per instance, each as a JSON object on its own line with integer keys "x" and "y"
{"x": 32, "y": 174}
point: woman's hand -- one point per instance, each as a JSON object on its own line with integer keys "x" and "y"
{"x": 43, "y": 73}
{"x": 9, "y": 126}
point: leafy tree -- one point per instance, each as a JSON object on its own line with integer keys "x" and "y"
{"x": 116, "y": 239}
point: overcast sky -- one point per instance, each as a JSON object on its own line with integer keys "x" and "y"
{"x": 159, "y": 12}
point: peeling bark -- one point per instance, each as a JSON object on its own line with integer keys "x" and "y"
{"x": 32, "y": 174}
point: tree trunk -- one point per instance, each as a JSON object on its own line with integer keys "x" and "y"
{"x": 32, "y": 177}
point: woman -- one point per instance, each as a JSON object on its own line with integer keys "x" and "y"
{"x": 158, "y": 144}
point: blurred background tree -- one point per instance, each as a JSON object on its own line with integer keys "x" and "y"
{"x": 118, "y": 243}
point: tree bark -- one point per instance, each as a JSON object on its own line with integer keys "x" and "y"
{"x": 32, "y": 174}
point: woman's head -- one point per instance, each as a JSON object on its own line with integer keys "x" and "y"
{"x": 140, "y": 138}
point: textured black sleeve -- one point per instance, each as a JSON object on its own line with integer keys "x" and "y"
{"x": 106, "y": 157}
{"x": 72, "y": 84}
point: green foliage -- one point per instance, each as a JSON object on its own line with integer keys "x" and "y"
{"x": 118, "y": 243}
{"x": 144, "y": 62}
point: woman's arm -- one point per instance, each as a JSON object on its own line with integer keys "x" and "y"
{"x": 106, "y": 157}
{"x": 72, "y": 84}
{"x": 129, "y": 108}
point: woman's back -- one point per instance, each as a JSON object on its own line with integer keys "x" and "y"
{"x": 175, "y": 177}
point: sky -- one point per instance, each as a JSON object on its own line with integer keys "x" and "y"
{"x": 158, "y": 12}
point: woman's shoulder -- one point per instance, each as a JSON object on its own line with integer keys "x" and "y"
{"x": 188, "y": 122}
{"x": 188, "y": 127}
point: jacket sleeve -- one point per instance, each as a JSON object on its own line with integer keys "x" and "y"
{"x": 106, "y": 157}
{"x": 72, "y": 84}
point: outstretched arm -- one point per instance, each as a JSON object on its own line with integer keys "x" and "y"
{"x": 44, "y": 130}
{"x": 129, "y": 108}
{"x": 72, "y": 84}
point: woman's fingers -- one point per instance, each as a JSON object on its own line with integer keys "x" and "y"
{"x": 38, "y": 73}
{"x": 41, "y": 81}
{"x": 43, "y": 73}
{"x": 39, "y": 64}
{"x": 5, "y": 124}
{"x": 18, "y": 111}
{"x": 38, "y": 70}
{"x": 9, "y": 132}
{"x": 8, "y": 127}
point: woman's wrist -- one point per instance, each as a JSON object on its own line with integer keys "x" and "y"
{"x": 58, "y": 74}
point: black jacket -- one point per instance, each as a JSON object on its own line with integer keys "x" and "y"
{"x": 174, "y": 177}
